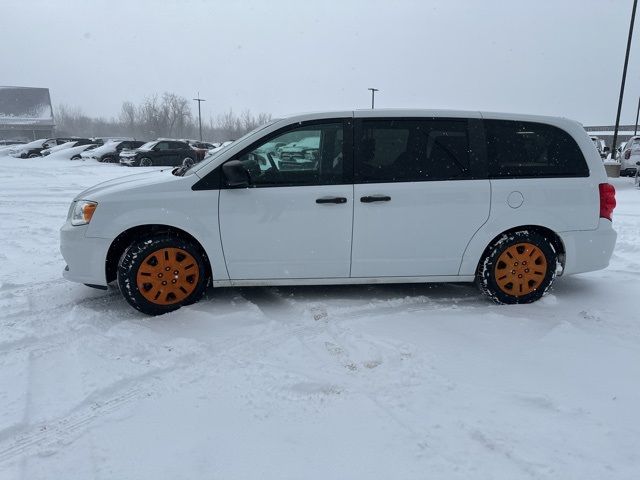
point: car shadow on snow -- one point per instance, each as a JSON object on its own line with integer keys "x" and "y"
{"x": 272, "y": 301}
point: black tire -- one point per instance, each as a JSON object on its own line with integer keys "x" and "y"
{"x": 76, "y": 157}
{"x": 139, "y": 257}
{"x": 34, "y": 155}
{"x": 107, "y": 159}
{"x": 146, "y": 162}
{"x": 532, "y": 268}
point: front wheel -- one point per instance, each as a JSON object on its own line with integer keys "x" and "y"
{"x": 146, "y": 162}
{"x": 518, "y": 268}
{"x": 161, "y": 273}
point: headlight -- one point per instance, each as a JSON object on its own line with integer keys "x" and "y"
{"x": 82, "y": 212}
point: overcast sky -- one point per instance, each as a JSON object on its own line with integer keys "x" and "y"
{"x": 552, "y": 57}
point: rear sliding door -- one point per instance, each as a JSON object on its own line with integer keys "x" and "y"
{"x": 419, "y": 196}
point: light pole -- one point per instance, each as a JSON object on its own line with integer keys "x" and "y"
{"x": 373, "y": 96}
{"x": 199, "y": 100}
{"x": 635, "y": 130}
{"x": 624, "y": 77}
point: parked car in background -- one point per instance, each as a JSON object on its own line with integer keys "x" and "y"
{"x": 159, "y": 152}
{"x": 620, "y": 150}
{"x": 201, "y": 148}
{"x": 74, "y": 143}
{"x": 218, "y": 147}
{"x": 306, "y": 148}
{"x": 33, "y": 149}
{"x": 601, "y": 146}
{"x": 630, "y": 156}
{"x": 4, "y": 143}
{"x": 110, "y": 151}
{"x": 71, "y": 153}
{"x": 104, "y": 140}
{"x": 506, "y": 201}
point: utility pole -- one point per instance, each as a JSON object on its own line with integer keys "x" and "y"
{"x": 624, "y": 77}
{"x": 200, "y": 100}
{"x": 635, "y": 130}
{"x": 373, "y": 96}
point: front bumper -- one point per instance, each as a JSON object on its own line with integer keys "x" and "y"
{"x": 85, "y": 256}
{"x": 589, "y": 250}
{"x": 128, "y": 161}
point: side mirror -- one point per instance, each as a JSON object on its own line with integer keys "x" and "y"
{"x": 638, "y": 163}
{"x": 236, "y": 174}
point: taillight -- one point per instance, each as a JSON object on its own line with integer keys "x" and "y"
{"x": 627, "y": 154}
{"x": 607, "y": 200}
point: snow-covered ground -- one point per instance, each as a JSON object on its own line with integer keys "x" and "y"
{"x": 358, "y": 382}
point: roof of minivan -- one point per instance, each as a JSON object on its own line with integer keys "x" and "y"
{"x": 410, "y": 112}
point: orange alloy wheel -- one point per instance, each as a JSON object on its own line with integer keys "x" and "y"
{"x": 167, "y": 276}
{"x": 520, "y": 269}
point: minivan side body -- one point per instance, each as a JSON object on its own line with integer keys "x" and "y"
{"x": 390, "y": 196}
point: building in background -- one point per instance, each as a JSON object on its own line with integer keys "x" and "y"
{"x": 605, "y": 132}
{"x": 25, "y": 113}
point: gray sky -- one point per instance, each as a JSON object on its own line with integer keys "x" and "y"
{"x": 552, "y": 57}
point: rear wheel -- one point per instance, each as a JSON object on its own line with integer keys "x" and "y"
{"x": 76, "y": 157}
{"x": 161, "y": 273}
{"x": 34, "y": 155}
{"x": 107, "y": 159}
{"x": 518, "y": 268}
{"x": 146, "y": 162}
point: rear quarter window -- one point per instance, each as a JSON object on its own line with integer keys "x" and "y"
{"x": 528, "y": 149}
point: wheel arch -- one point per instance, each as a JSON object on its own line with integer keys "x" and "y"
{"x": 124, "y": 239}
{"x": 552, "y": 236}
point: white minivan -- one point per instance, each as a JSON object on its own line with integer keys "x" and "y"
{"x": 380, "y": 196}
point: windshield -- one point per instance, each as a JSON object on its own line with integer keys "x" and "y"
{"x": 147, "y": 146}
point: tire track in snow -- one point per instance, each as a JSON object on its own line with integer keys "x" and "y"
{"x": 46, "y": 437}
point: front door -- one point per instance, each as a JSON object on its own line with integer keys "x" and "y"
{"x": 416, "y": 204}
{"x": 162, "y": 154}
{"x": 295, "y": 221}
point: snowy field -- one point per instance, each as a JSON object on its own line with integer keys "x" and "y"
{"x": 358, "y": 382}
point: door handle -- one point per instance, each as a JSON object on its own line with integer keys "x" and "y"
{"x": 375, "y": 198}
{"x": 331, "y": 200}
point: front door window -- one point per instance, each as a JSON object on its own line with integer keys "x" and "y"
{"x": 309, "y": 155}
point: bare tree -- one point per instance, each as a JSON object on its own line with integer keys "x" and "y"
{"x": 128, "y": 116}
{"x": 166, "y": 115}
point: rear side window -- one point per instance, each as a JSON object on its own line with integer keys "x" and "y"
{"x": 527, "y": 149}
{"x": 411, "y": 150}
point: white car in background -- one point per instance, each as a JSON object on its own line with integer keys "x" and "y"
{"x": 630, "y": 156}
{"x": 110, "y": 151}
{"x": 57, "y": 148}
{"x": 395, "y": 196}
{"x": 71, "y": 153}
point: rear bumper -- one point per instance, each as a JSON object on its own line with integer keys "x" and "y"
{"x": 85, "y": 256}
{"x": 589, "y": 250}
